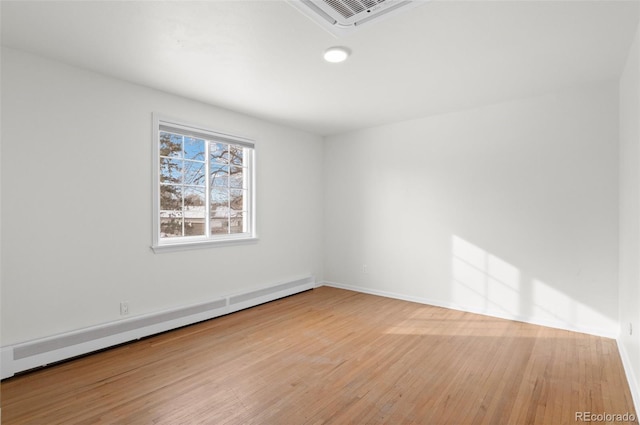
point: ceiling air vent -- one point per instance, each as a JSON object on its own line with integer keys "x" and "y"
{"x": 341, "y": 17}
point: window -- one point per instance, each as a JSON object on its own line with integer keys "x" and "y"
{"x": 203, "y": 186}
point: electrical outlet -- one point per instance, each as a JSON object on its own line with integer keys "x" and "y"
{"x": 124, "y": 308}
{"x": 630, "y": 329}
{"x": 365, "y": 268}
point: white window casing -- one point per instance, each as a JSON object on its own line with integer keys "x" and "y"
{"x": 203, "y": 187}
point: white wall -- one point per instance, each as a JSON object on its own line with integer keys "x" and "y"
{"x": 630, "y": 217}
{"x": 510, "y": 209}
{"x": 76, "y": 203}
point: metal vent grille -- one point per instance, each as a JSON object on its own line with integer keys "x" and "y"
{"x": 340, "y": 17}
{"x": 349, "y": 8}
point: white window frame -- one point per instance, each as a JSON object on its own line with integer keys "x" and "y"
{"x": 161, "y": 123}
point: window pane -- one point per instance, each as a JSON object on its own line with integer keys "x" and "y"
{"x": 194, "y": 148}
{"x": 219, "y": 153}
{"x": 170, "y": 197}
{"x": 237, "y": 200}
{"x": 170, "y": 145}
{"x": 219, "y": 226}
{"x": 204, "y": 185}
{"x": 194, "y": 211}
{"x": 220, "y": 211}
{"x": 219, "y": 197}
{"x": 170, "y": 224}
{"x": 194, "y": 198}
{"x": 236, "y": 223}
{"x": 194, "y": 226}
{"x": 171, "y": 170}
{"x": 235, "y": 178}
{"x": 219, "y": 175}
{"x": 194, "y": 173}
{"x": 236, "y": 155}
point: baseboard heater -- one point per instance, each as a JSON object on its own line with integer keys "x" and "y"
{"x": 41, "y": 352}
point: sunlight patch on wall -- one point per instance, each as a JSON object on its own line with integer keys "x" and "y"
{"x": 554, "y": 305}
{"x": 485, "y": 283}
{"x": 551, "y": 303}
{"x": 482, "y": 280}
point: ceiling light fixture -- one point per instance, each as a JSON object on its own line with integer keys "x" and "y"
{"x": 336, "y": 54}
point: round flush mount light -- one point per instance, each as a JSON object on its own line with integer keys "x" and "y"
{"x": 336, "y": 54}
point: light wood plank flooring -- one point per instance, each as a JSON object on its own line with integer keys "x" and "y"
{"x": 332, "y": 356}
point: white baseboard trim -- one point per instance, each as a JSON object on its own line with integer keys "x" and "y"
{"x": 634, "y": 384}
{"x": 492, "y": 313}
{"x": 43, "y": 351}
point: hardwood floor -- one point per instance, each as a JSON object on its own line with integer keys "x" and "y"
{"x": 333, "y": 356}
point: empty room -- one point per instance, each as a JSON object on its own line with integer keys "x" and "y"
{"x": 320, "y": 212}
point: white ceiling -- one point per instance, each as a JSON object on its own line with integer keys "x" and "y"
{"x": 264, "y": 58}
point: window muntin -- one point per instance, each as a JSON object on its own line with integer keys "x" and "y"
{"x": 204, "y": 186}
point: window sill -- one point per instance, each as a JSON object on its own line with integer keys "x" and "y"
{"x": 185, "y": 246}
